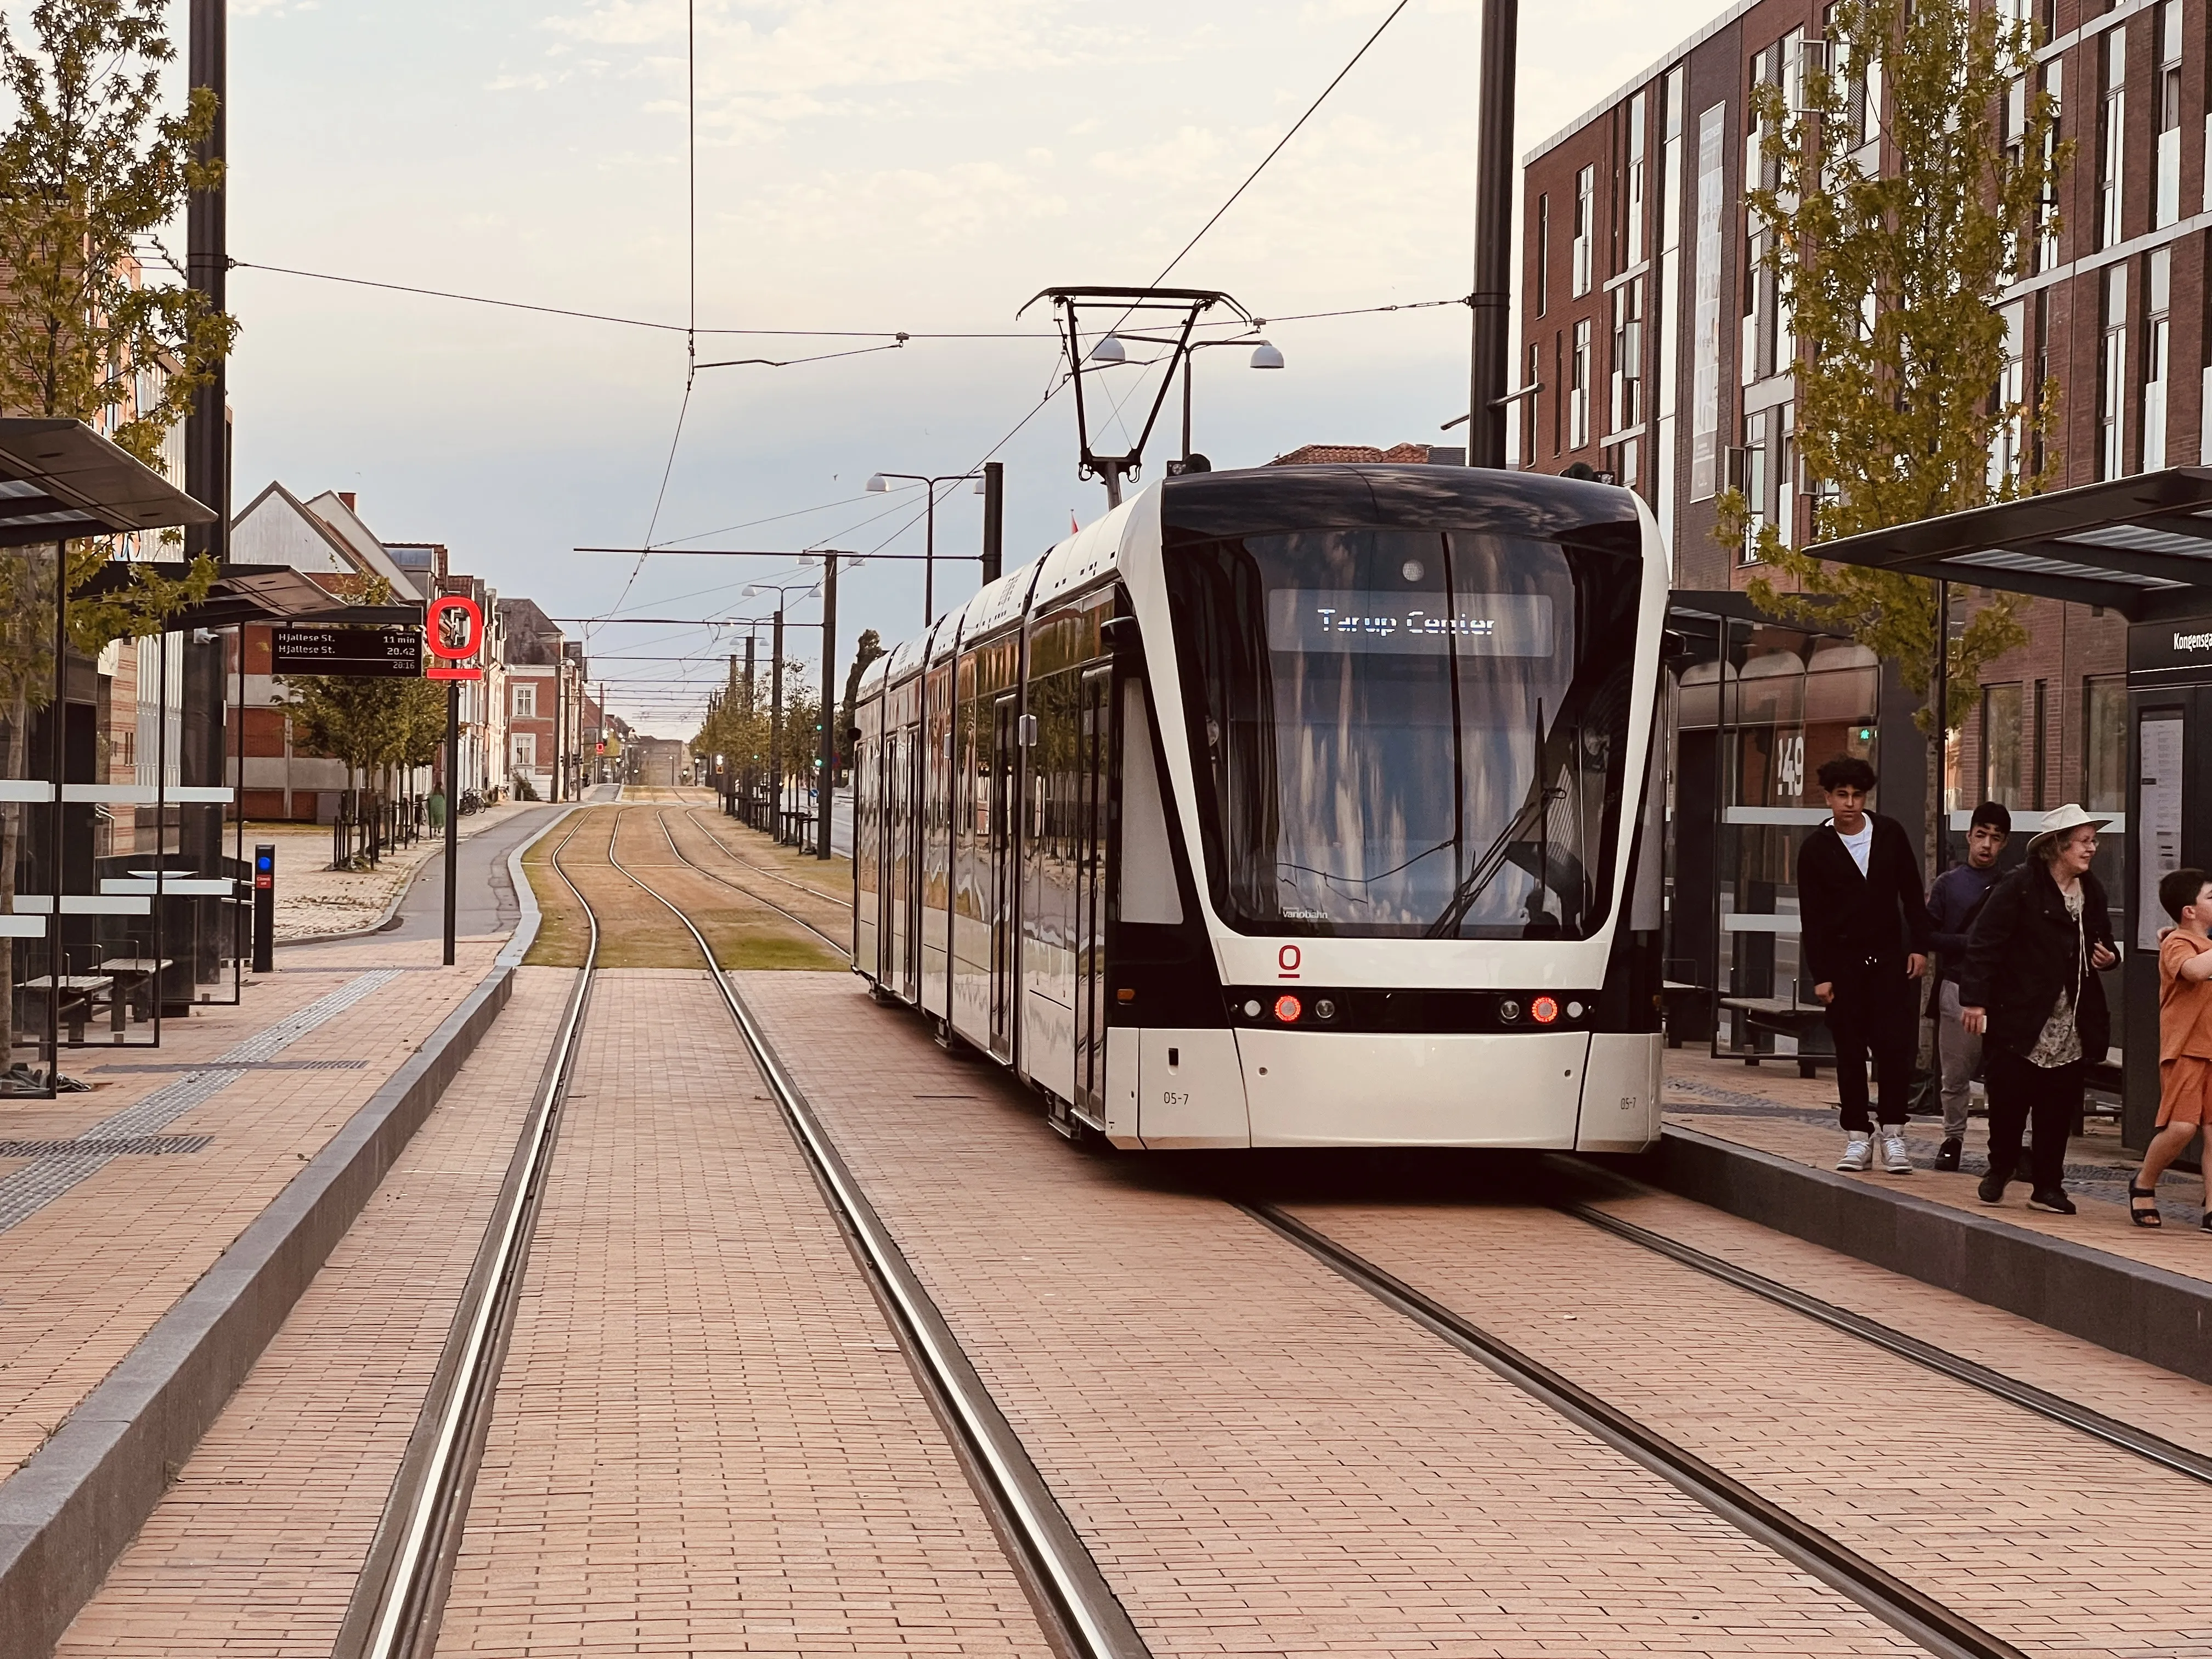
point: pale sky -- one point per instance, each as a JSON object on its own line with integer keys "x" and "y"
{"x": 923, "y": 164}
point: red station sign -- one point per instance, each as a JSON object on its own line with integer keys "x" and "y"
{"x": 453, "y": 634}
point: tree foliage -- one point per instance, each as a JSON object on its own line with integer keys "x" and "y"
{"x": 93, "y": 167}
{"x": 1890, "y": 258}
{"x": 746, "y": 732}
{"x": 369, "y": 724}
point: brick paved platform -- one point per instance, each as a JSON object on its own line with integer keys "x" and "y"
{"x": 94, "y": 1247}
{"x": 1762, "y": 1144}
{"x": 705, "y": 1440}
{"x": 1263, "y": 1460}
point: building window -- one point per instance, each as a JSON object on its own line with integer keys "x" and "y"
{"x": 1705, "y": 316}
{"x": 2112, "y": 377}
{"x": 1578, "y": 388}
{"x": 1585, "y": 204}
{"x": 2111, "y": 136}
{"x": 2166, "y": 197}
{"x": 2158, "y": 289}
{"x": 1529, "y": 404}
{"x": 526, "y": 751}
{"x": 1543, "y": 254}
{"x": 2011, "y": 394}
{"x": 2046, "y": 253}
{"x": 526, "y": 701}
{"x": 2001, "y": 779}
{"x": 1755, "y": 484}
{"x": 1627, "y": 354}
{"x": 2105, "y": 743}
{"x": 1635, "y": 240}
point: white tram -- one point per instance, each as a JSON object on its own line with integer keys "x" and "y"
{"x": 1296, "y": 807}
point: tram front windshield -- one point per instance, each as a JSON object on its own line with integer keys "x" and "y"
{"x": 1404, "y": 733}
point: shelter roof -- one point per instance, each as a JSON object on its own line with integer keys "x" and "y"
{"x": 60, "y": 479}
{"x": 2141, "y": 546}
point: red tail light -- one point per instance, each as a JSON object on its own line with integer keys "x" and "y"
{"x": 1544, "y": 1010}
{"x": 1287, "y": 1010}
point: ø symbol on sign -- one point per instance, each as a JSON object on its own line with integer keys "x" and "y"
{"x": 456, "y": 628}
{"x": 1288, "y": 959}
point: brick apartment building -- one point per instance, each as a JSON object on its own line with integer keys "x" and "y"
{"x": 1662, "y": 356}
{"x": 544, "y": 701}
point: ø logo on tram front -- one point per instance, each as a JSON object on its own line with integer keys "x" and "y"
{"x": 1287, "y": 960}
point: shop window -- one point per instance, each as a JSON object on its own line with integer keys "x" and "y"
{"x": 2003, "y": 779}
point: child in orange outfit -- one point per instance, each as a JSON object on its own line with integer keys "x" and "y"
{"x": 2185, "y": 1041}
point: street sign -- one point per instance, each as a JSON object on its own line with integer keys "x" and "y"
{"x": 453, "y": 632}
{"x": 354, "y": 652}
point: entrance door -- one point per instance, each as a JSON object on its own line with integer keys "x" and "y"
{"x": 898, "y": 860}
{"x": 1091, "y": 785}
{"x": 1005, "y": 725}
{"x": 911, "y": 890}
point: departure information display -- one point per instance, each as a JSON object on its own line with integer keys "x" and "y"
{"x": 1409, "y": 624}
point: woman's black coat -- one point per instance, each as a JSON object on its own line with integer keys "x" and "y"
{"x": 2022, "y": 954}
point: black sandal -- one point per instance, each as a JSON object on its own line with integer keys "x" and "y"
{"x": 2149, "y": 1218}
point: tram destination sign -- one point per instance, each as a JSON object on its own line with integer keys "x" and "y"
{"x": 350, "y": 653}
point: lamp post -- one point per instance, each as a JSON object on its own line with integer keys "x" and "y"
{"x": 881, "y": 483}
{"x": 781, "y": 590}
{"x": 1264, "y": 355}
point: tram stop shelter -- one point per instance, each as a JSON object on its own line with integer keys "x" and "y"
{"x": 2142, "y": 547}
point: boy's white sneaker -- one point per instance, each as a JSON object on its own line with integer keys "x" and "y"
{"x": 1858, "y": 1151}
{"x": 1894, "y": 1158}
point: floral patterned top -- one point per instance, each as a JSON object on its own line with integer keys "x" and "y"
{"x": 2061, "y": 1041}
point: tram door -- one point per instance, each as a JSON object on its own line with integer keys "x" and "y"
{"x": 1005, "y": 725}
{"x": 898, "y": 874}
{"x": 1092, "y": 782}
{"x": 910, "y": 898}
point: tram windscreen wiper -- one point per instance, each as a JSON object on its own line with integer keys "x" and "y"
{"x": 1495, "y": 857}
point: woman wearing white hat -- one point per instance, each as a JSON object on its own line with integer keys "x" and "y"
{"x": 2031, "y": 984}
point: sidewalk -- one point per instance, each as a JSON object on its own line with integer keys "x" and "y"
{"x": 313, "y": 900}
{"x": 156, "y": 1231}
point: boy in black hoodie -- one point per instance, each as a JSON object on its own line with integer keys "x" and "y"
{"x": 1865, "y": 934}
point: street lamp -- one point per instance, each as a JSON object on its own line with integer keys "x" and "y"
{"x": 1265, "y": 354}
{"x": 880, "y": 484}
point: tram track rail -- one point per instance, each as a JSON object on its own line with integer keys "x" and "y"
{"x": 1940, "y": 1629}
{"x": 397, "y": 1602}
{"x": 1083, "y": 1616}
{"x": 691, "y": 816}
{"x": 841, "y": 949}
{"x": 2085, "y": 1419}
{"x": 394, "y": 1610}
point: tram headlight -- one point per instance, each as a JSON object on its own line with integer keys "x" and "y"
{"x": 1252, "y": 1009}
{"x": 1509, "y": 1011}
{"x": 1544, "y": 1010}
{"x": 1324, "y": 1009}
{"x": 1288, "y": 1008}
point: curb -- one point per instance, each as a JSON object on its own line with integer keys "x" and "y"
{"x": 388, "y": 919}
{"x": 525, "y": 896}
{"x": 2146, "y": 1313}
{"x": 71, "y": 1509}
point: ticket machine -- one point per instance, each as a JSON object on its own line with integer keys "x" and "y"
{"x": 2169, "y": 824}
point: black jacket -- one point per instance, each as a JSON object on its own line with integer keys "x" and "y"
{"x": 2024, "y": 950}
{"x": 1845, "y": 917}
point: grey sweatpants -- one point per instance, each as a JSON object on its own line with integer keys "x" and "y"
{"x": 1959, "y": 1055}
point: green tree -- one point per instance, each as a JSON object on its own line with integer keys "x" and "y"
{"x": 93, "y": 166}
{"x": 1889, "y": 259}
{"x": 865, "y": 650}
{"x": 373, "y": 726}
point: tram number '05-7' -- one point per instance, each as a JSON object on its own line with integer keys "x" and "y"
{"x": 1170, "y": 1098}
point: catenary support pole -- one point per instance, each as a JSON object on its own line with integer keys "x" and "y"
{"x": 775, "y": 729}
{"x": 1941, "y": 850}
{"x": 826, "y": 790}
{"x": 206, "y": 263}
{"x": 928, "y": 568}
{"x": 994, "y": 519}
{"x": 57, "y": 762}
{"x": 1491, "y": 300}
{"x": 453, "y": 807}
